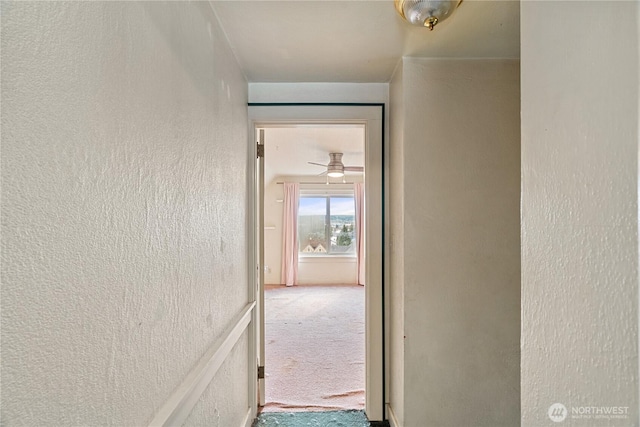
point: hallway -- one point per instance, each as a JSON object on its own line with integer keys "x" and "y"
{"x": 506, "y": 148}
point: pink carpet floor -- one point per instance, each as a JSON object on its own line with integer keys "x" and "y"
{"x": 315, "y": 348}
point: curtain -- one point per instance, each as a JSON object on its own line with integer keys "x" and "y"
{"x": 359, "y": 201}
{"x": 289, "y": 272}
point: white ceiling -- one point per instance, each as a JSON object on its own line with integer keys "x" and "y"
{"x": 357, "y": 40}
{"x": 349, "y": 41}
{"x": 288, "y": 149}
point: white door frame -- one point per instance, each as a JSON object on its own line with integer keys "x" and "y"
{"x": 372, "y": 116}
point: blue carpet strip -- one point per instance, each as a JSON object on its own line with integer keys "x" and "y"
{"x": 312, "y": 419}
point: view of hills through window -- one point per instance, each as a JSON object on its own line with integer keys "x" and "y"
{"x": 326, "y": 224}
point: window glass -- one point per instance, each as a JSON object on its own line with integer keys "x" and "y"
{"x": 312, "y": 219}
{"x": 326, "y": 225}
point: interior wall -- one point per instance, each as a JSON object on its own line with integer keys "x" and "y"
{"x": 397, "y": 232}
{"x": 318, "y": 92}
{"x": 461, "y": 177}
{"x": 580, "y": 209}
{"x": 311, "y": 270}
{"x": 124, "y": 157}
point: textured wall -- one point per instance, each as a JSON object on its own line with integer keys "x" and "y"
{"x": 461, "y": 151}
{"x": 224, "y": 403}
{"x": 124, "y": 156}
{"x": 579, "y": 209}
{"x": 318, "y": 92}
{"x": 397, "y": 230}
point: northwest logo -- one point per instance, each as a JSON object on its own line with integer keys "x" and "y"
{"x": 557, "y": 412}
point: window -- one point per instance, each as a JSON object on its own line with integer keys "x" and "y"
{"x": 326, "y": 225}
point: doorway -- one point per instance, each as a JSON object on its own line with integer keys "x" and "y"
{"x": 314, "y": 332}
{"x": 370, "y": 117}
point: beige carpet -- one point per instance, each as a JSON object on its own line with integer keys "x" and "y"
{"x": 314, "y": 348}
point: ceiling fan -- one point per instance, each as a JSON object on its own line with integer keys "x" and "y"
{"x": 336, "y": 168}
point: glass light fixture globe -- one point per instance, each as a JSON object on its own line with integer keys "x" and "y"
{"x": 426, "y": 13}
{"x": 335, "y": 173}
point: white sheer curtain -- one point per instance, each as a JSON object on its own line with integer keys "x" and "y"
{"x": 289, "y": 270}
{"x": 359, "y": 201}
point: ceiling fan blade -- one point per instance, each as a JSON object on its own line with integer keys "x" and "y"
{"x": 322, "y": 173}
{"x": 354, "y": 168}
{"x": 317, "y": 164}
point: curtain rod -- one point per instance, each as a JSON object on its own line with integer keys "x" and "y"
{"x": 323, "y": 183}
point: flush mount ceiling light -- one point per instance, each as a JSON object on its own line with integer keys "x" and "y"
{"x": 426, "y": 13}
{"x": 335, "y": 168}
{"x": 335, "y": 171}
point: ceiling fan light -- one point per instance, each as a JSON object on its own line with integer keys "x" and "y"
{"x": 335, "y": 171}
{"x": 335, "y": 168}
{"x": 426, "y": 13}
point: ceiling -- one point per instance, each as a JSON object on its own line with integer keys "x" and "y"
{"x": 348, "y": 41}
{"x": 289, "y": 149}
{"x": 357, "y": 40}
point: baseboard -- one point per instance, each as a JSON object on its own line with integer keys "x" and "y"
{"x": 379, "y": 423}
{"x": 393, "y": 421}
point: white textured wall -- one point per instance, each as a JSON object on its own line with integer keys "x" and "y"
{"x": 318, "y": 92}
{"x": 579, "y": 208}
{"x": 461, "y": 178}
{"x": 397, "y": 231}
{"x": 225, "y": 400}
{"x": 124, "y": 156}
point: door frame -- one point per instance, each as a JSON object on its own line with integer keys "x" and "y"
{"x": 372, "y": 115}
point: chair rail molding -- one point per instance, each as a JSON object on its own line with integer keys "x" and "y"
{"x": 177, "y": 408}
